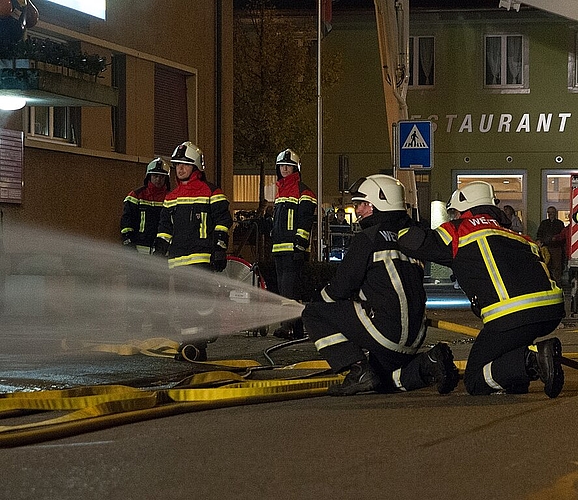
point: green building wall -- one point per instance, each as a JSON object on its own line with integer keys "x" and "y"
{"x": 355, "y": 118}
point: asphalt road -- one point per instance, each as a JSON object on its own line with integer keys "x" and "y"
{"x": 417, "y": 445}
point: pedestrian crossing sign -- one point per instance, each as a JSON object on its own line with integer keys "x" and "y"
{"x": 414, "y": 144}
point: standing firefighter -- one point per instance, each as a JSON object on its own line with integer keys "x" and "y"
{"x": 138, "y": 228}
{"x": 193, "y": 230}
{"x": 142, "y": 208}
{"x": 293, "y": 218}
{"x": 509, "y": 286}
{"x": 376, "y": 303}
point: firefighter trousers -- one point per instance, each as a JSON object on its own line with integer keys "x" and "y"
{"x": 497, "y": 360}
{"x": 342, "y": 339}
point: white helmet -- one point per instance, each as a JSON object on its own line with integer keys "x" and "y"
{"x": 473, "y": 195}
{"x": 158, "y": 166}
{"x": 287, "y": 157}
{"x": 384, "y": 192}
{"x": 190, "y": 154}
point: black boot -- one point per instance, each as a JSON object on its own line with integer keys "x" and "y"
{"x": 544, "y": 363}
{"x": 361, "y": 378}
{"x": 438, "y": 368}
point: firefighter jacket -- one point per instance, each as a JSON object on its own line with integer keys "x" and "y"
{"x": 140, "y": 216}
{"x": 293, "y": 215}
{"x": 195, "y": 221}
{"x": 500, "y": 271}
{"x": 386, "y": 285}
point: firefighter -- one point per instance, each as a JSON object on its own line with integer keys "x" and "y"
{"x": 509, "y": 287}
{"x": 293, "y": 217}
{"x": 193, "y": 228}
{"x": 376, "y": 304}
{"x": 138, "y": 228}
{"x": 142, "y": 208}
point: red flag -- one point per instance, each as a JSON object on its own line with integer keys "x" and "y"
{"x": 326, "y": 11}
{"x": 326, "y": 15}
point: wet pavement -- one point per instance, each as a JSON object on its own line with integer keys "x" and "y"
{"x": 404, "y": 446}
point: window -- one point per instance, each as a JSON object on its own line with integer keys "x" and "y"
{"x": 506, "y": 62}
{"x": 509, "y": 186}
{"x": 421, "y": 61}
{"x": 58, "y": 123}
{"x": 556, "y": 192}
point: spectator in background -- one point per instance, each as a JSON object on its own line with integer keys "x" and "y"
{"x": 516, "y": 223}
{"x": 340, "y": 219}
{"x": 548, "y": 229}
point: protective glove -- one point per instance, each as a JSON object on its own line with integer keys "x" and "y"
{"x": 475, "y": 306}
{"x": 299, "y": 248}
{"x": 128, "y": 242}
{"x": 219, "y": 260}
{"x": 161, "y": 247}
{"x": 298, "y": 255}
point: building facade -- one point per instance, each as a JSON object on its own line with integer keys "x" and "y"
{"x": 500, "y": 87}
{"x": 171, "y": 69}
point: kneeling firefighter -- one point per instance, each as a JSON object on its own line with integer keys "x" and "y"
{"x": 508, "y": 284}
{"x": 376, "y": 304}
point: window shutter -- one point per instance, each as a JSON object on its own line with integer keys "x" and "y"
{"x": 171, "y": 123}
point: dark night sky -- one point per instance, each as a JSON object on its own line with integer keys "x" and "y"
{"x": 348, "y": 4}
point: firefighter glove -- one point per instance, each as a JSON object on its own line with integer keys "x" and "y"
{"x": 219, "y": 260}
{"x": 128, "y": 243}
{"x": 161, "y": 247}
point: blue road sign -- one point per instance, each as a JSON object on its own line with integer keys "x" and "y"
{"x": 415, "y": 144}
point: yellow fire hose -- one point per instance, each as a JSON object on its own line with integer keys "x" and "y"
{"x": 99, "y": 407}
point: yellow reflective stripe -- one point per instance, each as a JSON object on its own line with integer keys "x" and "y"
{"x": 194, "y": 258}
{"x": 217, "y": 198}
{"x": 385, "y": 342}
{"x": 126, "y": 230}
{"x": 444, "y": 235}
{"x": 203, "y": 226}
{"x": 290, "y": 214}
{"x": 305, "y": 197}
{"x": 165, "y": 236}
{"x": 522, "y": 302}
{"x": 325, "y": 296}
{"x": 225, "y": 229}
{"x": 492, "y": 269}
{"x": 142, "y": 221}
{"x": 186, "y": 201}
{"x": 131, "y": 199}
{"x": 149, "y": 203}
{"x": 489, "y": 379}
{"x": 282, "y": 247}
{"x": 304, "y": 234}
{"x": 289, "y": 199}
{"x": 330, "y": 340}
{"x": 388, "y": 257}
{"x": 402, "y": 232}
